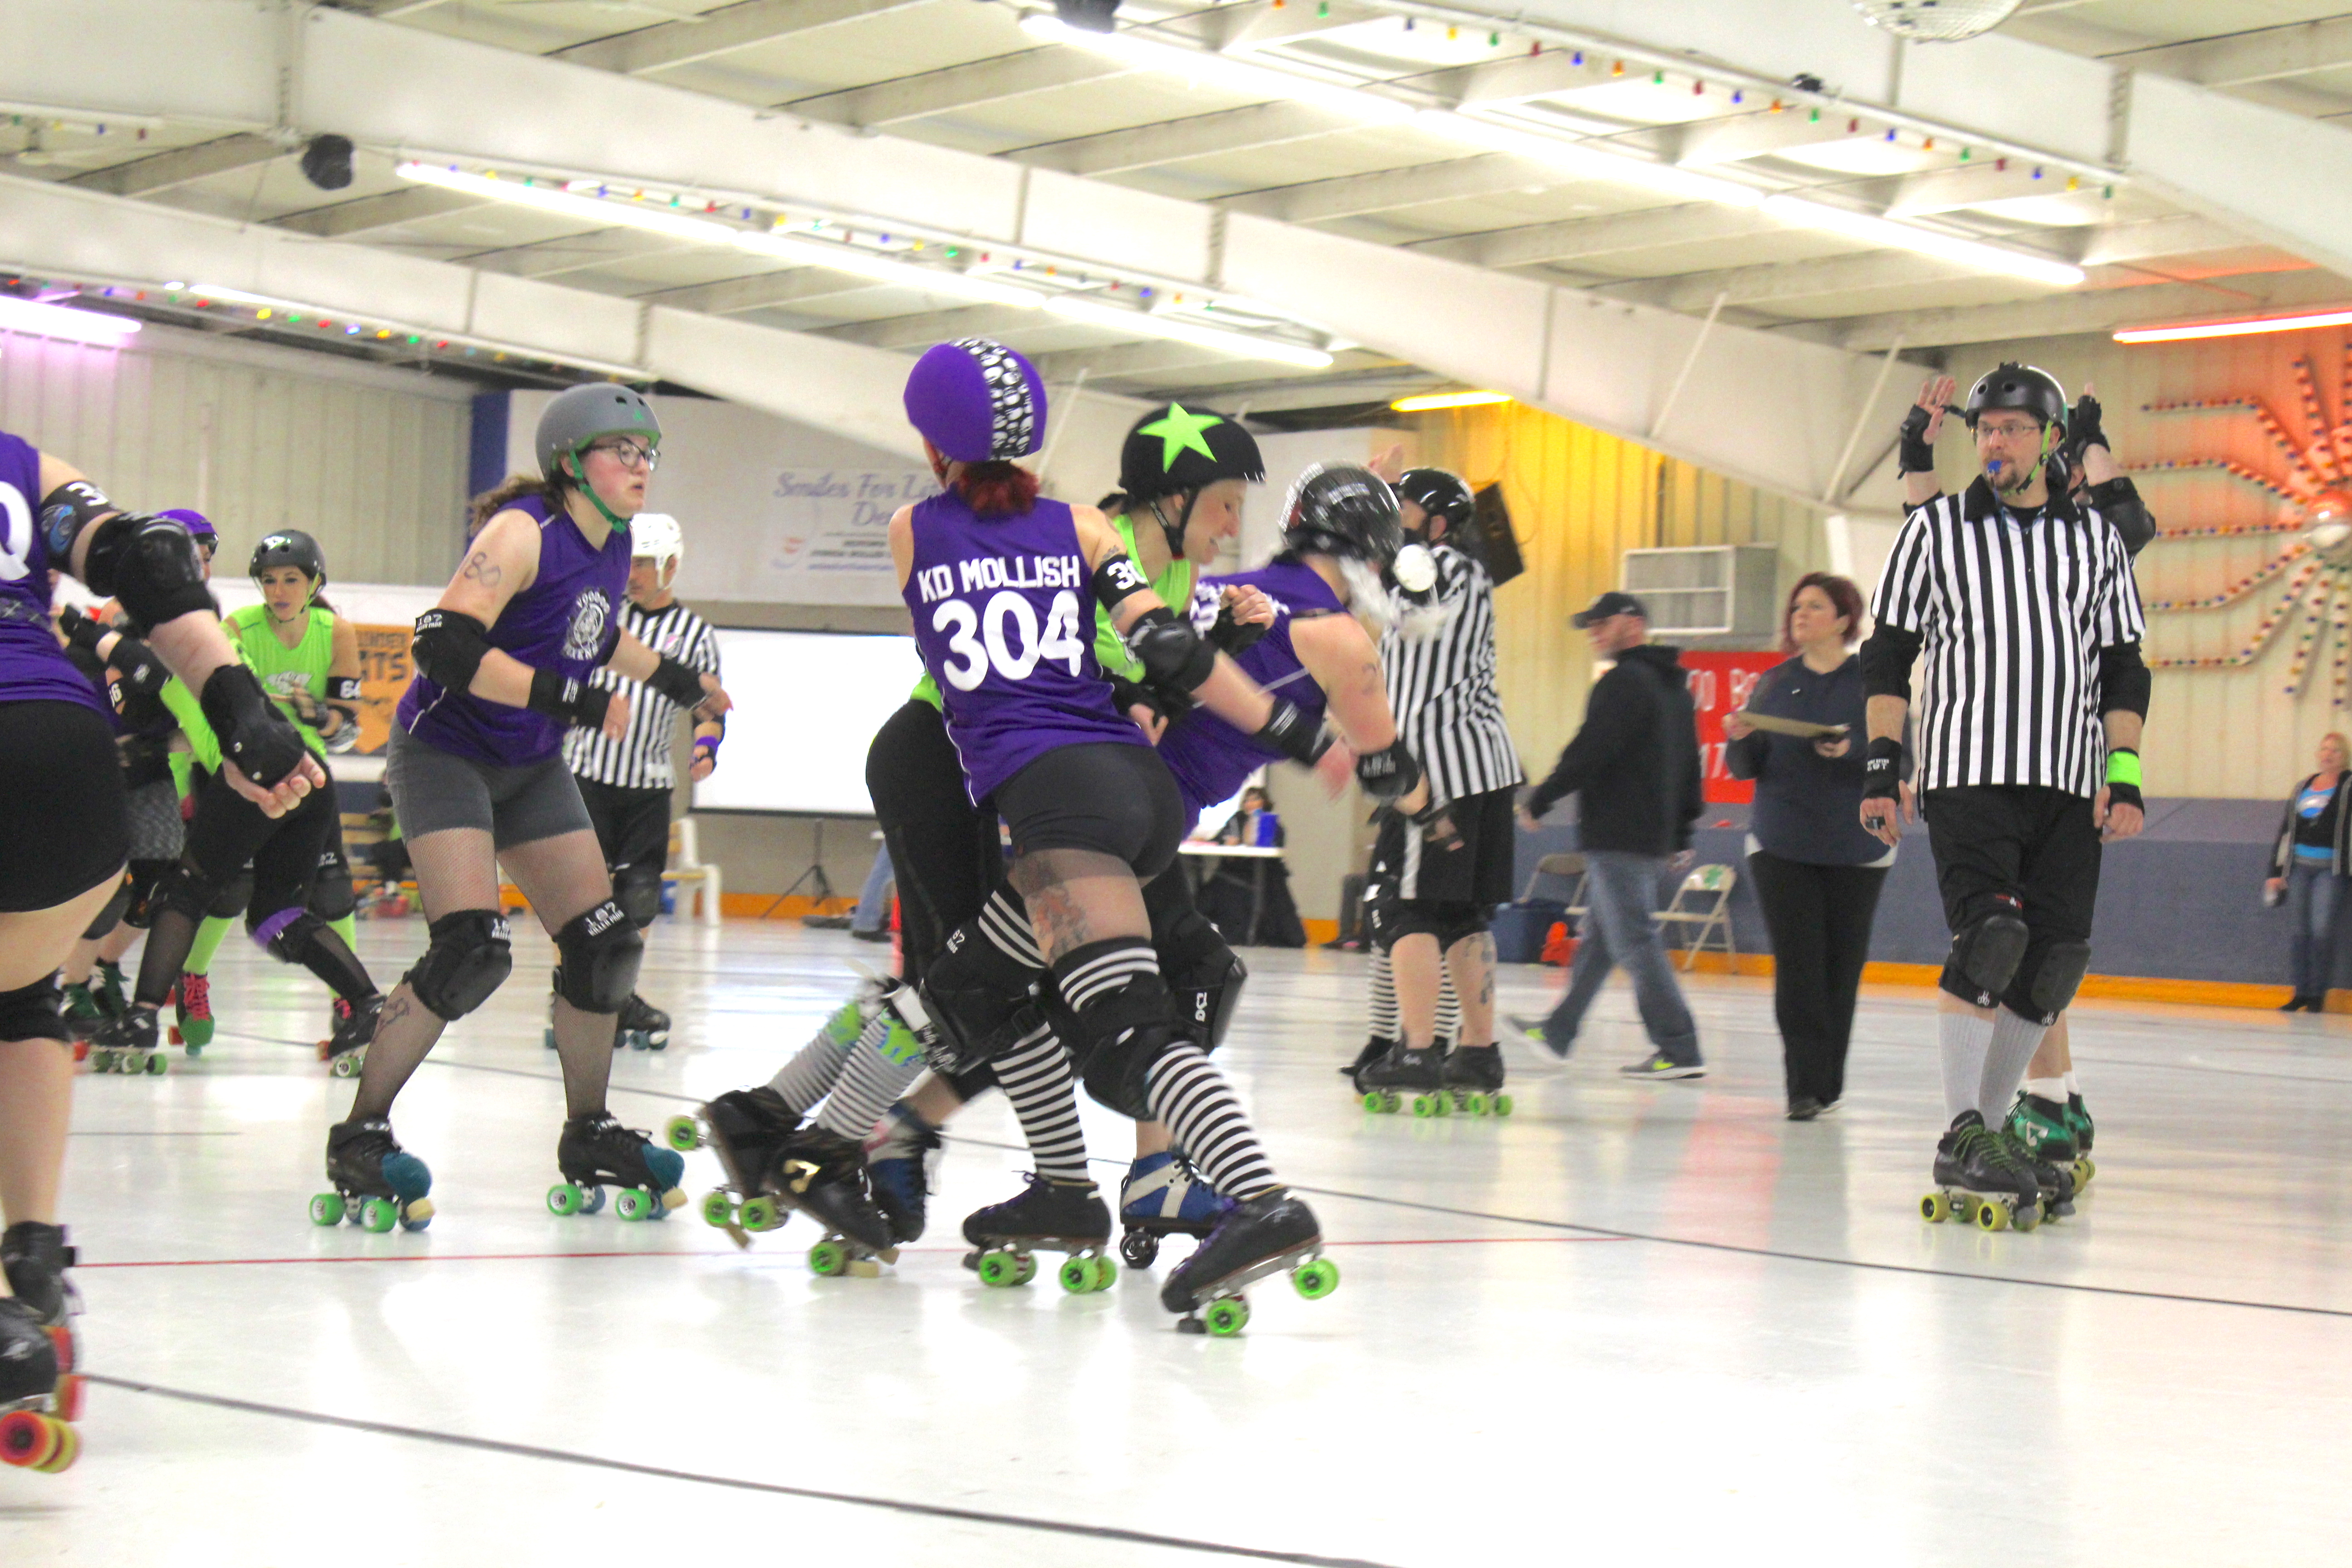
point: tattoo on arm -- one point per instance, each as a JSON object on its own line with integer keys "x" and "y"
{"x": 481, "y": 568}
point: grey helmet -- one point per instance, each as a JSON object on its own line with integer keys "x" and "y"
{"x": 580, "y": 415}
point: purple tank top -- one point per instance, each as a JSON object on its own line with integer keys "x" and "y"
{"x": 32, "y": 667}
{"x": 1208, "y": 757}
{"x": 566, "y": 621}
{"x": 1004, "y": 620}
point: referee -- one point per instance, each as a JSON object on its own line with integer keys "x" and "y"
{"x": 627, "y": 784}
{"x": 2023, "y": 599}
{"x": 1434, "y": 886}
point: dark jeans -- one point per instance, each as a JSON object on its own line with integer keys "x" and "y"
{"x": 1620, "y": 929}
{"x": 2314, "y": 893}
{"x": 1820, "y": 920}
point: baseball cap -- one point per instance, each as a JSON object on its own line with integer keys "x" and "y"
{"x": 1612, "y": 603}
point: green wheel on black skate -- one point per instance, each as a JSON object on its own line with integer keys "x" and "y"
{"x": 719, "y": 1211}
{"x": 1502, "y": 1105}
{"x": 2085, "y": 1169}
{"x": 828, "y": 1258}
{"x": 1424, "y": 1105}
{"x": 563, "y": 1198}
{"x": 327, "y": 1209}
{"x": 1935, "y": 1209}
{"x": 1471, "y": 1104}
{"x": 379, "y": 1215}
{"x": 633, "y": 1204}
{"x": 1084, "y": 1276}
{"x": 761, "y": 1214}
{"x": 1314, "y": 1279}
{"x": 348, "y": 1065}
{"x": 681, "y": 1134}
{"x": 1226, "y": 1317}
{"x": 1003, "y": 1270}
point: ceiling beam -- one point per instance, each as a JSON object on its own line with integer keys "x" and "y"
{"x": 760, "y": 292}
{"x": 1696, "y": 292}
{"x": 1545, "y": 242}
{"x": 2085, "y": 311}
{"x": 668, "y": 45}
{"x": 582, "y": 252}
{"x": 2270, "y": 53}
{"x": 1970, "y": 185}
{"x": 1237, "y": 29}
{"x": 1707, "y": 144}
{"x": 1513, "y": 80}
{"x": 1201, "y": 136}
{"x": 934, "y": 326}
{"x": 180, "y": 166}
{"x": 343, "y": 220}
{"x": 1141, "y": 359}
{"x": 2183, "y": 234}
{"x": 1348, "y": 195}
{"x": 968, "y": 86}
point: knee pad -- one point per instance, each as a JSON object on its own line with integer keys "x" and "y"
{"x": 331, "y": 893}
{"x": 33, "y": 1013}
{"x": 184, "y": 890}
{"x": 146, "y": 883}
{"x": 111, "y": 913}
{"x": 971, "y": 992}
{"x": 1988, "y": 950}
{"x": 637, "y": 889}
{"x": 230, "y": 898}
{"x": 2058, "y": 977}
{"x": 1118, "y": 1072}
{"x": 469, "y": 956}
{"x": 288, "y": 935}
{"x": 1205, "y": 977}
{"x": 600, "y": 951}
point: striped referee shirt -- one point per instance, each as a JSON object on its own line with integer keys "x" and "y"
{"x": 640, "y": 758}
{"x": 1442, "y": 684}
{"x": 2011, "y": 611}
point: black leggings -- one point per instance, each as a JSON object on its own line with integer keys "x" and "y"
{"x": 1819, "y": 919}
{"x": 944, "y": 851}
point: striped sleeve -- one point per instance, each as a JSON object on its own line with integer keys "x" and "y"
{"x": 1905, "y": 589}
{"x": 1441, "y": 684}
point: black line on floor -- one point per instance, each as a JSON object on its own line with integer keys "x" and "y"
{"x": 735, "y": 1483}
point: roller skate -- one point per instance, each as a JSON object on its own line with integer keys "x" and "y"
{"x": 1164, "y": 1195}
{"x": 346, "y": 1050}
{"x": 37, "y": 1398}
{"x": 1383, "y": 1083}
{"x": 127, "y": 1045}
{"x": 898, "y": 1166}
{"x": 82, "y": 1014}
{"x": 108, "y": 989}
{"x": 2078, "y": 1120}
{"x": 2056, "y": 1181}
{"x": 378, "y": 1183}
{"x": 641, "y": 1026}
{"x": 823, "y": 1175}
{"x": 1257, "y": 1236}
{"x": 191, "y": 1007}
{"x": 1981, "y": 1180}
{"x": 595, "y": 1150}
{"x": 1047, "y": 1217}
{"x": 1474, "y": 1077}
{"x": 34, "y": 1257}
{"x": 2046, "y": 1128}
{"x": 746, "y": 1128}
{"x": 1375, "y": 1048}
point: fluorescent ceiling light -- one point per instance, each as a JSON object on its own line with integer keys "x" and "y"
{"x": 1880, "y": 231}
{"x": 588, "y": 209}
{"x": 1143, "y": 53}
{"x": 2244, "y": 326}
{"x": 883, "y": 269}
{"x": 1152, "y": 324}
{"x": 1434, "y": 400}
{"x": 36, "y": 320}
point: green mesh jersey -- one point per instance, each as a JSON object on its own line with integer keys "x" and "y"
{"x": 1174, "y": 586}
{"x": 286, "y": 670}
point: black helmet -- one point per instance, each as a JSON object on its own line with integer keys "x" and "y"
{"x": 1440, "y": 494}
{"x": 1175, "y": 448}
{"x": 289, "y": 547}
{"x": 1344, "y": 510}
{"x": 2012, "y": 386}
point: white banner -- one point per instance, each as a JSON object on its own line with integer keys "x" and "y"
{"x": 825, "y": 535}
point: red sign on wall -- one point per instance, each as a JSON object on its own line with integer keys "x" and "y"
{"x": 1719, "y": 684}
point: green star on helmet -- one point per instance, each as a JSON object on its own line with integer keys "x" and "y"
{"x": 1180, "y": 431}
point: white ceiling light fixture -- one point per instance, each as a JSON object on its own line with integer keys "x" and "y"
{"x": 1886, "y": 232}
{"x": 1936, "y": 21}
{"x": 1157, "y": 324}
{"x": 2235, "y": 326}
{"x": 268, "y": 304}
{"x": 552, "y": 199}
{"x": 1141, "y": 52}
{"x": 35, "y": 319}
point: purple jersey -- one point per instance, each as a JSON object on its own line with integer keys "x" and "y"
{"x": 32, "y": 667}
{"x": 565, "y": 621}
{"x": 1210, "y": 757}
{"x": 1005, "y": 619}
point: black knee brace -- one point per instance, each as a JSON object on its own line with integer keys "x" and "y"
{"x": 1123, "y": 1019}
{"x": 33, "y": 1013}
{"x": 111, "y": 913}
{"x": 637, "y": 889}
{"x": 146, "y": 881}
{"x": 468, "y": 957}
{"x": 1205, "y": 975}
{"x": 231, "y": 897}
{"x": 187, "y": 891}
{"x": 971, "y": 991}
{"x": 1449, "y": 922}
{"x": 2057, "y": 977}
{"x": 288, "y": 935}
{"x": 600, "y": 951}
{"x": 1118, "y": 1072}
{"x": 1986, "y": 953}
{"x": 330, "y": 891}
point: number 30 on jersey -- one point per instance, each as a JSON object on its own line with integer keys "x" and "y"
{"x": 1003, "y": 635}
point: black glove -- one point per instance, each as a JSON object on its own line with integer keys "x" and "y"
{"x": 79, "y": 629}
{"x": 675, "y": 680}
{"x": 1233, "y": 636}
{"x": 1291, "y": 732}
{"x": 254, "y": 735}
{"x": 1130, "y": 695}
{"x": 574, "y": 702}
{"x": 1918, "y": 454}
{"x": 1882, "y": 771}
{"x": 2083, "y": 427}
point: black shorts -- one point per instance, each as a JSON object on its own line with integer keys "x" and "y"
{"x": 65, "y": 821}
{"x": 631, "y": 825}
{"x": 1998, "y": 843}
{"x": 1473, "y": 870}
{"x": 1114, "y": 799}
{"x": 229, "y": 836}
{"x": 946, "y": 853}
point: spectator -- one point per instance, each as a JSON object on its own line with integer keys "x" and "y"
{"x": 1634, "y": 764}
{"x": 1816, "y": 872}
{"x": 2308, "y": 867}
{"x": 1249, "y": 901}
{"x": 1241, "y": 828}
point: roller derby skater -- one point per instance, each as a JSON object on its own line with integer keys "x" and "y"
{"x": 34, "y": 1258}
{"x": 1405, "y": 1075}
{"x": 2019, "y": 803}
{"x": 377, "y": 1183}
{"x": 477, "y": 779}
{"x": 1381, "y": 982}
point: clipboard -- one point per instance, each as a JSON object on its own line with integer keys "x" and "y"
{"x": 1802, "y": 728}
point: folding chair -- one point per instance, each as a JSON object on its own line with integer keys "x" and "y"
{"x": 1703, "y": 899}
{"x": 687, "y": 871}
{"x": 1565, "y": 867}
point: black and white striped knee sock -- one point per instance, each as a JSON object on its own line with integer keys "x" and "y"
{"x": 1035, "y": 1077}
{"x": 1005, "y": 922}
{"x": 1190, "y": 1096}
{"x": 811, "y": 1074}
{"x": 1449, "y": 1008}
{"x": 1384, "y": 1004}
{"x": 870, "y": 1081}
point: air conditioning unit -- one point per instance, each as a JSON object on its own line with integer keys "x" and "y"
{"x": 1708, "y": 589}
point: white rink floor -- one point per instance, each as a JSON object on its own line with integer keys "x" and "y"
{"x": 1635, "y": 1323}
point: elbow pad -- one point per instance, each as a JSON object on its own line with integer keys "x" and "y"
{"x": 2118, "y": 501}
{"x": 1888, "y": 656}
{"x": 448, "y": 648}
{"x": 149, "y": 563}
{"x": 2123, "y": 679}
{"x": 675, "y": 680}
{"x": 1119, "y": 579}
{"x": 65, "y": 512}
{"x": 1388, "y": 774}
{"x": 1288, "y": 731}
{"x": 1170, "y": 652}
{"x": 142, "y": 672}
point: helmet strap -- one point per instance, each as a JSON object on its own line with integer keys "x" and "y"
{"x": 1175, "y": 530}
{"x": 580, "y": 469}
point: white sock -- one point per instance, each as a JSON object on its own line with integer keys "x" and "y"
{"x": 1962, "y": 1039}
{"x": 2050, "y": 1088}
{"x": 2014, "y": 1041}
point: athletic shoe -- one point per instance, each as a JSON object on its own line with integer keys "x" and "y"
{"x": 1804, "y": 1107}
{"x": 1532, "y": 1031}
{"x": 1660, "y": 1066}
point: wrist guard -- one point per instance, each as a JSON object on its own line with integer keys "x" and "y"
{"x": 1290, "y": 731}
{"x": 1388, "y": 773}
{"x": 675, "y": 680}
{"x": 2123, "y": 778}
{"x": 254, "y": 735}
{"x": 1917, "y": 456}
{"x": 1881, "y": 770}
{"x": 1166, "y": 707}
{"x": 79, "y": 629}
{"x": 567, "y": 697}
{"x": 2083, "y": 430}
{"x": 1233, "y": 635}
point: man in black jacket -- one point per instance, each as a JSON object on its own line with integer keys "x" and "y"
{"x": 1635, "y": 767}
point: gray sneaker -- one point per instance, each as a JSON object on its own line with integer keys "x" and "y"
{"x": 1661, "y": 1065}
{"x": 1532, "y": 1031}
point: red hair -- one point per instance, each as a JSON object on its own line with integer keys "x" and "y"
{"x": 1845, "y": 599}
{"x": 995, "y": 489}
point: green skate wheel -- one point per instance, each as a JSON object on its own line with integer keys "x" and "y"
{"x": 1935, "y": 1209}
{"x": 1422, "y": 1105}
{"x": 761, "y": 1214}
{"x": 1105, "y": 1273}
{"x": 1370, "y": 1100}
{"x": 1001, "y": 1270}
{"x": 346, "y": 1065}
{"x": 563, "y": 1198}
{"x": 1991, "y": 1217}
{"x": 327, "y": 1209}
{"x": 379, "y": 1215}
{"x": 1473, "y": 1104}
{"x": 681, "y": 1134}
{"x": 1226, "y": 1318}
{"x": 1316, "y": 1279}
{"x": 102, "y": 1060}
{"x": 2085, "y": 1169}
{"x": 1027, "y": 1269}
{"x": 719, "y": 1211}
{"x": 634, "y": 1204}
{"x": 1502, "y": 1105}
{"x": 1084, "y": 1276}
{"x": 828, "y": 1258}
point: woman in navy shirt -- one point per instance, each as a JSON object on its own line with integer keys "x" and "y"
{"x": 1817, "y": 873}
{"x": 2309, "y": 866}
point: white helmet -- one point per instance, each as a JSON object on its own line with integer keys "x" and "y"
{"x": 655, "y": 536}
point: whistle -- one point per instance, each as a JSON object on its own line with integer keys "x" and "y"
{"x": 1992, "y": 467}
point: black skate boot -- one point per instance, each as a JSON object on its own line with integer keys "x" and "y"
{"x": 1474, "y": 1077}
{"x": 1046, "y": 1217}
{"x": 1981, "y": 1180}
{"x": 643, "y": 1027}
{"x": 127, "y": 1044}
{"x": 378, "y": 1183}
{"x": 82, "y": 1014}
{"x": 1375, "y": 1048}
{"x": 746, "y": 1128}
{"x": 596, "y": 1151}
{"x": 898, "y": 1166}
{"x": 37, "y": 1399}
{"x": 1420, "y": 1071}
{"x": 1257, "y": 1236}
{"x": 347, "y": 1048}
{"x": 2056, "y": 1181}
{"x": 823, "y": 1175}
{"x": 34, "y": 1257}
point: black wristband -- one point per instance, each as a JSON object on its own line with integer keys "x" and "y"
{"x": 567, "y": 697}
{"x": 1233, "y": 636}
{"x": 1881, "y": 770}
{"x": 343, "y": 689}
{"x": 675, "y": 680}
{"x": 1288, "y": 731}
{"x": 1918, "y": 455}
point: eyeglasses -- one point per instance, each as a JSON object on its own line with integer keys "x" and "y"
{"x": 629, "y": 454}
{"x": 2006, "y": 431}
